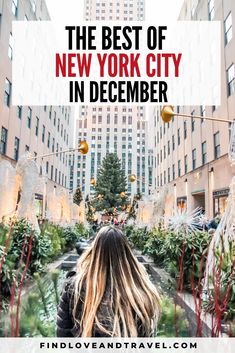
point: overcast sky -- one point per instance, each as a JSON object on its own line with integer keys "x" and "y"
{"x": 72, "y": 10}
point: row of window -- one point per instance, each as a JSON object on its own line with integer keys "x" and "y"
{"x": 108, "y": 130}
{"x": 83, "y": 123}
{"x": 216, "y": 150}
{"x": 228, "y": 27}
{"x": 60, "y": 128}
{"x": 130, "y": 12}
{"x": 56, "y": 122}
{"x": 55, "y": 146}
{"x": 228, "y": 31}
{"x": 217, "y": 153}
{"x": 108, "y": 120}
{"x": 116, "y": 109}
{"x": 56, "y": 175}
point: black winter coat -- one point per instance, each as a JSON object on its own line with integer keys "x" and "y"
{"x": 66, "y": 327}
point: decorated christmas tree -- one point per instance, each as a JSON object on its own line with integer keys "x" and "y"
{"x": 77, "y": 197}
{"x": 111, "y": 186}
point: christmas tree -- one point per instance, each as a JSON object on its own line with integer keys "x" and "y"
{"x": 77, "y": 197}
{"x": 111, "y": 186}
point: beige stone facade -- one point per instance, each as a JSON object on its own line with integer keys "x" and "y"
{"x": 39, "y": 130}
{"x": 192, "y": 154}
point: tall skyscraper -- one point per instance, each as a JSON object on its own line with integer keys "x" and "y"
{"x": 119, "y": 129}
{"x": 192, "y": 154}
{"x": 39, "y": 130}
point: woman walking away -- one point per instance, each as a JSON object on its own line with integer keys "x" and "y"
{"x": 110, "y": 295}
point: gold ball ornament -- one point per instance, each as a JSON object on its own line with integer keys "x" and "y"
{"x": 167, "y": 113}
{"x": 83, "y": 147}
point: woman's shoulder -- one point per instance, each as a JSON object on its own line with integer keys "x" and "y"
{"x": 71, "y": 274}
{"x": 69, "y": 283}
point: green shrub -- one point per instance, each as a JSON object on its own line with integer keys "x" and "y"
{"x": 190, "y": 252}
{"x": 223, "y": 296}
{"x": 181, "y": 255}
{"x": 137, "y": 236}
{"x": 173, "y": 321}
{"x": 46, "y": 246}
{"x": 55, "y": 234}
{"x": 3, "y": 234}
{"x": 8, "y": 273}
{"x": 70, "y": 237}
{"x": 41, "y": 246}
{"x": 82, "y": 231}
{"x": 155, "y": 246}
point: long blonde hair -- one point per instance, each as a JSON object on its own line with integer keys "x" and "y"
{"x": 108, "y": 271}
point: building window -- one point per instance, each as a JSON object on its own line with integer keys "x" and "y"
{"x": 179, "y": 168}
{"x": 14, "y": 7}
{"x": 194, "y": 159}
{"x": 16, "y": 149}
{"x": 173, "y": 172}
{"x": 178, "y": 136}
{"x": 203, "y": 111}
{"x": 231, "y": 80}
{"x": 185, "y": 164}
{"x": 228, "y": 28}
{"x": 211, "y": 9}
{"x": 43, "y": 133}
{"x": 173, "y": 142}
{"x": 185, "y": 129}
{"x": 52, "y": 172}
{"x": 19, "y": 112}
{"x": 169, "y": 175}
{"x": 7, "y": 93}
{"x": 193, "y": 121}
{"x": 204, "y": 153}
{"x": 10, "y": 47}
{"x": 37, "y": 126}
{"x": 48, "y": 140}
{"x": 29, "y": 117}
{"x": 216, "y": 145}
{"x": 3, "y": 142}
